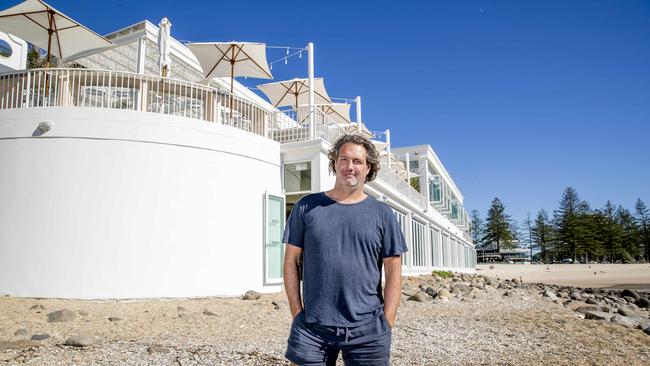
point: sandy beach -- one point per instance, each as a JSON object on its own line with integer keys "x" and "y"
{"x": 489, "y": 322}
{"x": 633, "y": 276}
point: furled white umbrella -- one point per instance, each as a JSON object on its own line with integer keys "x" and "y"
{"x": 232, "y": 59}
{"x": 40, "y": 24}
{"x": 164, "y": 46}
{"x": 295, "y": 92}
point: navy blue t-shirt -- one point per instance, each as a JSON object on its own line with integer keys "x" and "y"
{"x": 343, "y": 250}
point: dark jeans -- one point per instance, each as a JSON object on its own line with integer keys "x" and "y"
{"x": 313, "y": 344}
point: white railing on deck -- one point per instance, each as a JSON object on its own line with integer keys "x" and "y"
{"x": 129, "y": 91}
{"x": 289, "y": 126}
{"x": 402, "y": 186}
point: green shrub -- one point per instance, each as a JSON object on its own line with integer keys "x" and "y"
{"x": 443, "y": 274}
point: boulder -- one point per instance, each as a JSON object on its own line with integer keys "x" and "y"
{"x": 251, "y": 295}
{"x": 457, "y": 292}
{"x": 598, "y": 315}
{"x": 592, "y": 302}
{"x": 443, "y": 293}
{"x": 464, "y": 287}
{"x": 63, "y": 315}
{"x": 80, "y": 341}
{"x": 625, "y": 321}
{"x": 586, "y": 308}
{"x": 40, "y": 337}
{"x": 630, "y": 293}
{"x": 642, "y": 302}
{"x": 629, "y": 313}
{"x": 419, "y": 297}
{"x": 550, "y": 294}
{"x": 575, "y": 296}
{"x": 431, "y": 292}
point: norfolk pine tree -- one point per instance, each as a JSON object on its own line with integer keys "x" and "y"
{"x": 497, "y": 225}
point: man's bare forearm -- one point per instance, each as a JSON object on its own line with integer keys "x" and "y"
{"x": 292, "y": 279}
{"x": 392, "y": 288}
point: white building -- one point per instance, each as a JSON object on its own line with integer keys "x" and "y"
{"x": 118, "y": 183}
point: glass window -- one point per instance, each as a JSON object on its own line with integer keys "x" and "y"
{"x": 435, "y": 193}
{"x": 418, "y": 243}
{"x": 401, "y": 219}
{"x": 273, "y": 246}
{"x": 5, "y": 48}
{"x": 436, "y": 256}
{"x": 297, "y": 177}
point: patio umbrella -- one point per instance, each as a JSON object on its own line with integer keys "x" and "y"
{"x": 164, "y": 46}
{"x": 232, "y": 59}
{"x": 295, "y": 92}
{"x": 42, "y": 25}
{"x": 339, "y": 112}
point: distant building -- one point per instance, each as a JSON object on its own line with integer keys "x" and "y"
{"x": 489, "y": 254}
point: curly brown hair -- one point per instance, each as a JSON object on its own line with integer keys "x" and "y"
{"x": 372, "y": 159}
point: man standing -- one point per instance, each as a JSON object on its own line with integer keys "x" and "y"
{"x": 343, "y": 238}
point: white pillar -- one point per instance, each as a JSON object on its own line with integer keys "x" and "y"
{"x": 357, "y": 103}
{"x": 310, "y": 74}
{"x": 408, "y": 169}
{"x": 142, "y": 51}
{"x": 388, "y": 146}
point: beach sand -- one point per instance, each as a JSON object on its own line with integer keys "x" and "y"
{"x": 632, "y": 276}
{"x": 496, "y": 327}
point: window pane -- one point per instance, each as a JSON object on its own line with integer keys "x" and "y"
{"x": 297, "y": 177}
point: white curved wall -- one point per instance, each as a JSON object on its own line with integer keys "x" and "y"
{"x": 123, "y": 204}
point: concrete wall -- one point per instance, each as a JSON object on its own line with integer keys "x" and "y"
{"x": 123, "y": 204}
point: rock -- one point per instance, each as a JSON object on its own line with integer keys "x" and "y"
{"x": 37, "y": 307}
{"x": 80, "y": 341}
{"x": 180, "y": 308}
{"x": 586, "y": 308}
{"x": 40, "y": 337}
{"x": 629, "y": 299}
{"x": 642, "y": 302}
{"x": 628, "y": 313}
{"x": 598, "y": 315}
{"x": 21, "y": 332}
{"x": 157, "y": 349}
{"x": 457, "y": 292}
{"x": 592, "y": 302}
{"x": 114, "y": 319}
{"x": 21, "y": 344}
{"x": 630, "y": 293}
{"x": 462, "y": 286}
{"x": 431, "y": 292}
{"x": 625, "y": 321}
{"x": 508, "y": 293}
{"x": 647, "y": 331}
{"x": 63, "y": 315}
{"x": 251, "y": 295}
{"x": 208, "y": 313}
{"x": 82, "y": 313}
{"x": 443, "y": 293}
{"x": 419, "y": 297}
{"x": 575, "y": 296}
{"x": 276, "y": 306}
{"x": 550, "y": 294}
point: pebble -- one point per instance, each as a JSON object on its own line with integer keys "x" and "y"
{"x": 80, "y": 341}
{"x": 63, "y": 315}
{"x": 40, "y": 337}
{"x": 251, "y": 295}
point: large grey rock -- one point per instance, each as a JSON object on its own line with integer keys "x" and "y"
{"x": 631, "y": 293}
{"x": 431, "y": 292}
{"x": 575, "y": 296}
{"x": 251, "y": 295}
{"x": 598, "y": 315}
{"x": 592, "y": 302}
{"x": 462, "y": 286}
{"x": 443, "y": 293}
{"x": 419, "y": 297}
{"x": 625, "y": 321}
{"x": 40, "y": 337}
{"x": 21, "y": 344}
{"x": 457, "y": 292}
{"x": 63, "y": 315}
{"x": 586, "y": 308}
{"x": 80, "y": 341}
{"x": 642, "y": 302}
{"x": 628, "y": 313}
{"x": 550, "y": 294}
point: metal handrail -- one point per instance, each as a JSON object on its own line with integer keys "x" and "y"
{"x": 90, "y": 88}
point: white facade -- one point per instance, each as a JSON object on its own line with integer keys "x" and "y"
{"x": 123, "y": 204}
{"x": 17, "y": 49}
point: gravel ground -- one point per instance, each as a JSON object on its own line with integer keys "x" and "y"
{"x": 489, "y": 329}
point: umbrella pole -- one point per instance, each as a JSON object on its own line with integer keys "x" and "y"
{"x": 50, "y": 17}
{"x": 232, "y": 80}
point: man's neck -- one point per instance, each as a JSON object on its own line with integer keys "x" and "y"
{"x": 344, "y": 194}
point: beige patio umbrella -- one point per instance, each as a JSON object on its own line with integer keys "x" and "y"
{"x": 164, "y": 46}
{"x": 338, "y": 112}
{"x": 295, "y": 92}
{"x": 40, "y": 24}
{"x": 219, "y": 59}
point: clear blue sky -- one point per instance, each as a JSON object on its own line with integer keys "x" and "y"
{"x": 519, "y": 99}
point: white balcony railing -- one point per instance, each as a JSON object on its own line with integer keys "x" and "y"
{"x": 130, "y": 91}
{"x": 402, "y": 186}
{"x": 292, "y": 126}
